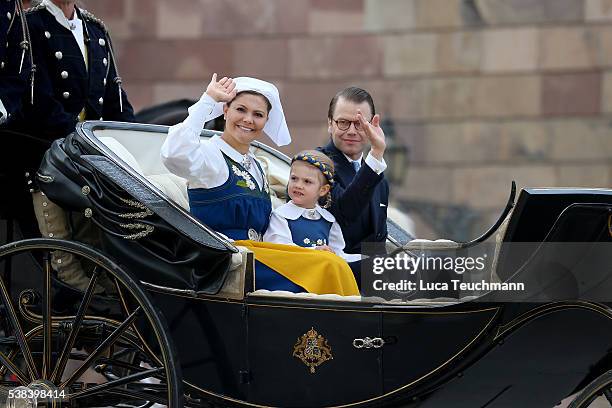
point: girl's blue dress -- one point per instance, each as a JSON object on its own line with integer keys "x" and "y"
{"x": 308, "y": 233}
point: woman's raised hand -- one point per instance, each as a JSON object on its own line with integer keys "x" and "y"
{"x": 374, "y": 133}
{"x": 222, "y": 90}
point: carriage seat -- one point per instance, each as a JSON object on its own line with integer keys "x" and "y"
{"x": 173, "y": 186}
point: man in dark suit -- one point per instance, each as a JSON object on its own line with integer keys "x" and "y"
{"x": 361, "y": 193}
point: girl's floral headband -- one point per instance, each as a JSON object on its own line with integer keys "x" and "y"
{"x": 327, "y": 172}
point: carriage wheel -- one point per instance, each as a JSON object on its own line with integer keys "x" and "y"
{"x": 600, "y": 389}
{"x": 81, "y": 348}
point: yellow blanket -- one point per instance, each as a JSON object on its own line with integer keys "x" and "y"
{"x": 318, "y": 272}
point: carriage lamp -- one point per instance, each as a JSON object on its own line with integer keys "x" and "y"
{"x": 396, "y": 154}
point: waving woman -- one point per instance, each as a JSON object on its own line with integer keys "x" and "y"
{"x": 226, "y": 185}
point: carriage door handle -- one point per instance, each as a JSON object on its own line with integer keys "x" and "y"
{"x": 368, "y": 342}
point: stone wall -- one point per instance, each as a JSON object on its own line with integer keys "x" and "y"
{"x": 482, "y": 91}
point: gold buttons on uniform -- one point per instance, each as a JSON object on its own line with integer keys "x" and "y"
{"x": 66, "y": 95}
{"x": 59, "y": 55}
{"x": 64, "y": 74}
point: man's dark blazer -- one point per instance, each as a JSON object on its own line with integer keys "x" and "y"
{"x": 359, "y": 201}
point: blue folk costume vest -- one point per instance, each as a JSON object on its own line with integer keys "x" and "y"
{"x": 308, "y": 233}
{"x": 235, "y": 208}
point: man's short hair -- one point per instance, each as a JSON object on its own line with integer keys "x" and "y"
{"x": 351, "y": 94}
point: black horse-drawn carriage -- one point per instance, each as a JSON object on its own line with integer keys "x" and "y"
{"x": 170, "y": 315}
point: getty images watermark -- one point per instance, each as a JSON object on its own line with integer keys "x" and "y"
{"x": 491, "y": 272}
{"x": 403, "y": 264}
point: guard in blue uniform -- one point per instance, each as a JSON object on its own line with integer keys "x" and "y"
{"x": 15, "y": 58}
{"x": 75, "y": 79}
{"x": 76, "y": 74}
{"x": 15, "y": 77}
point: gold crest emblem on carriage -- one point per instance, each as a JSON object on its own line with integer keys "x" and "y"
{"x": 312, "y": 349}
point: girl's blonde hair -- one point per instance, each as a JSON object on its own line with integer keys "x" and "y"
{"x": 319, "y": 160}
{"x": 323, "y": 163}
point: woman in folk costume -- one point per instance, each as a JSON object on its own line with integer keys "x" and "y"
{"x": 228, "y": 190}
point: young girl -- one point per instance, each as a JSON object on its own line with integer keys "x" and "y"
{"x": 302, "y": 221}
